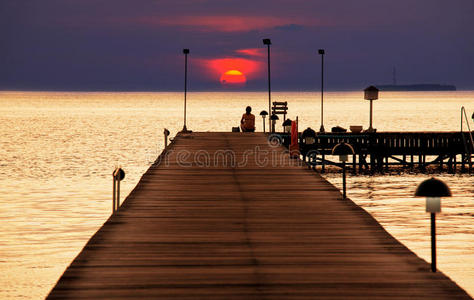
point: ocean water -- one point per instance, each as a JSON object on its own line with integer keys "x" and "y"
{"x": 58, "y": 150}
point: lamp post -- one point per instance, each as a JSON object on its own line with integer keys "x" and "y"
{"x": 268, "y": 43}
{"x": 185, "y": 52}
{"x": 343, "y": 150}
{"x": 273, "y": 118}
{"x": 308, "y": 138}
{"x": 117, "y": 176}
{"x": 433, "y": 189}
{"x": 166, "y": 133}
{"x": 263, "y": 113}
{"x": 371, "y": 93}
{"x": 287, "y": 126}
{"x": 321, "y": 52}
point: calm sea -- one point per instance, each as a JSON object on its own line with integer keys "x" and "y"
{"x": 58, "y": 151}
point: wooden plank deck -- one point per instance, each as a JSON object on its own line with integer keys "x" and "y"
{"x": 259, "y": 231}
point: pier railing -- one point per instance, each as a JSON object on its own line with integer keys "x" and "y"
{"x": 379, "y": 150}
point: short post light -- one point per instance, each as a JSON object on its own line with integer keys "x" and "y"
{"x": 343, "y": 150}
{"x": 308, "y": 136}
{"x": 287, "y": 126}
{"x": 371, "y": 93}
{"x": 117, "y": 176}
{"x": 166, "y": 133}
{"x": 433, "y": 189}
{"x": 264, "y": 114}
{"x": 273, "y": 119}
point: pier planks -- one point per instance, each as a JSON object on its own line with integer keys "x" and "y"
{"x": 259, "y": 231}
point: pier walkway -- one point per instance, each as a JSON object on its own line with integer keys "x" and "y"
{"x": 199, "y": 226}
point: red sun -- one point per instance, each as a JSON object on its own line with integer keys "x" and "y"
{"x": 233, "y": 78}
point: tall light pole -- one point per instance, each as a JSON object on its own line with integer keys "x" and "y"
{"x": 268, "y": 43}
{"x": 321, "y": 51}
{"x": 185, "y": 52}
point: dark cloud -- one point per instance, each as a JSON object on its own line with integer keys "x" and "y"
{"x": 125, "y": 44}
{"x": 290, "y": 27}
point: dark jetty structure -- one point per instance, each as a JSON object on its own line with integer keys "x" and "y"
{"x": 379, "y": 151}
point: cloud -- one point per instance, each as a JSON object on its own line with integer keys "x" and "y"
{"x": 290, "y": 27}
{"x": 252, "y": 52}
{"x": 225, "y": 23}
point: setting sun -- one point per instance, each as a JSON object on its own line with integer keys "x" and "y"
{"x": 233, "y": 78}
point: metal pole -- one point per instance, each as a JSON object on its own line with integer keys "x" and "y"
{"x": 113, "y": 192}
{"x": 370, "y": 127}
{"x": 269, "y": 90}
{"x": 433, "y": 242}
{"x": 118, "y": 191}
{"x": 185, "y": 86}
{"x": 322, "y": 92}
{"x": 344, "y": 179}
{"x": 263, "y": 124}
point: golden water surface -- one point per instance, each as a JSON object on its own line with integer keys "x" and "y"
{"x": 58, "y": 151}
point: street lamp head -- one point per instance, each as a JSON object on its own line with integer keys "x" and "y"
{"x": 321, "y": 51}
{"x": 267, "y": 42}
{"x": 343, "y": 150}
{"x": 431, "y": 188}
{"x": 308, "y": 132}
{"x": 119, "y": 174}
{"x": 263, "y": 113}
{"x": 287, "y": 125}
{"x": 185, "y": 51}
{"x": 274, "y": 117}
{"x": 371, "y": 93}
{"x": 308, "y": 136}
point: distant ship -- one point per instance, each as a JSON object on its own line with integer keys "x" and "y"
{"x": 416, "y": 87}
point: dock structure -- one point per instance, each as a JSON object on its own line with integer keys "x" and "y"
{"x": 230, "y": 216}
{"x": 378, "y": 151}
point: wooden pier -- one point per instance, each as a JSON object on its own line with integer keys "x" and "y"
{"x": 228, "y": 216}
{"x": 379, "y": 151}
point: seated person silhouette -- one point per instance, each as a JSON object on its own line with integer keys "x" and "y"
{"x": 247, "y": 123}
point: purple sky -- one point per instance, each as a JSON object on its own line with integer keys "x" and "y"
{"x": 137, "y": 45}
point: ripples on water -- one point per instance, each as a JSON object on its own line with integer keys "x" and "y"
{"x": 58, "y": 151}
{"x": 390, "y": 200}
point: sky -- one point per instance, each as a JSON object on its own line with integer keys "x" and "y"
{"x": 137, "y": 44}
